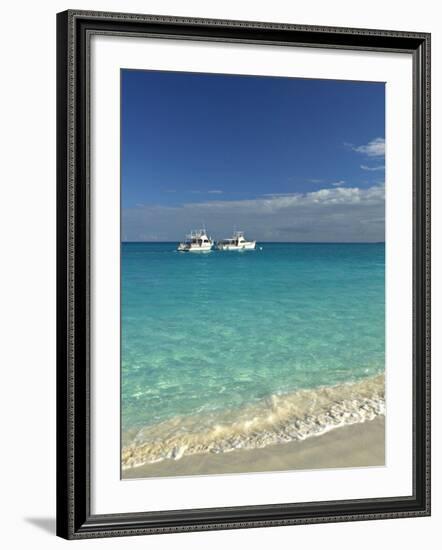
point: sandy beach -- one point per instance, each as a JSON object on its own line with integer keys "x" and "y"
{"x": 356, "y": 445}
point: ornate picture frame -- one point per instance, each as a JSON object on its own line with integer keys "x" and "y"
{"x": 75, "y": 519}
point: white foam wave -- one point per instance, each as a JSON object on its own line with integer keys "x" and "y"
{"x": 277, "y": 419}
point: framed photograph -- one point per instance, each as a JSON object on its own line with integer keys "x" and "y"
{"x": 243, "y": 274}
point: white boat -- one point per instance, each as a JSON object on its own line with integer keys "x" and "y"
{"x": 196, "y": 241}
{"x": 236, "y": 242}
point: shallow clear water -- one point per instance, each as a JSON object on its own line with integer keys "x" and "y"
{"x": 206, "y": 334}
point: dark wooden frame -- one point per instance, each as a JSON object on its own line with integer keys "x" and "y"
{"x": 74, "y": 518}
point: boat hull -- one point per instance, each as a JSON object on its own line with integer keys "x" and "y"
{"x": 194, "y": 248}
{"x": 243, "y": 246}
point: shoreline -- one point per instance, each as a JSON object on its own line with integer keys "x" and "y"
{"x": 274, "y": 420}
{"x": 355, "y": 445}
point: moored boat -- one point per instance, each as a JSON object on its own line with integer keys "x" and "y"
{"x": 236, "y": 242}
{"x": 196, "y": 241}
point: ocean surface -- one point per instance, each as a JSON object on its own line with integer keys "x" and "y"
{"x": 226, "y": 350}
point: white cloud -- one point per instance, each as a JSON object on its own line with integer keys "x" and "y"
{"x": 374, "y": 148}
{"x": 372, "y": 168}
{"x": 339, "y": 183}
{"x": 208, "y": 192}
{"x": 333, "y": 214}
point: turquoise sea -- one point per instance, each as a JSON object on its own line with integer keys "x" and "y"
{"x": 228, "y": 350}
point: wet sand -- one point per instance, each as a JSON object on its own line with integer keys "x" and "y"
{"x": 356, "y": 445}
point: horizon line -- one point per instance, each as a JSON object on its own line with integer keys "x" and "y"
{"x": 268, "y": 242}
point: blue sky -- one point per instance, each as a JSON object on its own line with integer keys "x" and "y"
{"x": 283, "y": 159}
